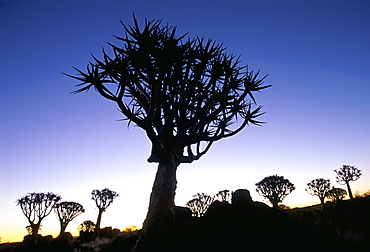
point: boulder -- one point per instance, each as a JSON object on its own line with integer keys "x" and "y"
{"x": 241, "y": 197}
{"x": 183, "y": 216}
{"x": 218, "y": 209}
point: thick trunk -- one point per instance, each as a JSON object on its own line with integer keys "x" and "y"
{"x": 275, "y": 203}
{"x": 98, "y": 221}
{"x": 349, "y": 191}
{"x": 160, "y": 220}
{"x": 322, "y": 200}
{"x": 35, "y": 231}
{"x": 63, "y": 227}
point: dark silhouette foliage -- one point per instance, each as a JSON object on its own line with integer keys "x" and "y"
{"x": 336, "y": 194}
{"x": 86, "y": 229}
{"x": 36, "y": 206}
{"x": 199, "y": 204}
{"x": 348, "y": 173}
{"x": 103, "y": 199}
{"x": 66, "y": 212}
{"x": 320, "y": 188}
{"x": 274, "y": 188}
{"x": 224, "y": 195}
{"x": 87, "y": 226}
{"x": 184, "y": 93}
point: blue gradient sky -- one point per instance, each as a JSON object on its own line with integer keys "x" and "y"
{"x": 317, "y": 55}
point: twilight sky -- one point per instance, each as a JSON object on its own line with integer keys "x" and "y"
{"x": 317, "y": 55}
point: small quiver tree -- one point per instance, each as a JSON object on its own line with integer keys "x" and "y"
{"x": 224, "y": 195}
{"x": 87, "y": 226}
{"x": 336, "y": 194}
{"x": 36, "y": 206}
{"x": 86, "y": 229}
{"x": 348, "y": 173}
{"x": 320, "y": 188}
{"x": 66, "y": 212}
{"x": 199, "y": 204}
{"x": 103, "y": 199}
{"x": 274, "y": 188}
{"x": 184, "y": 93}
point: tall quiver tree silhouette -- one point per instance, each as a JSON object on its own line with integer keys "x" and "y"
{"x": 274, "y": 188}
{"x": 184, "y": 93}
{"x": 348, "y": 173}
{"x": 103, "y": 199}
{"x": 66, "y": 212}
{"x": 36, "y": 206}
{"x": 319, "y": 187}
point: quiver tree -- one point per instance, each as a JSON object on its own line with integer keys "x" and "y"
{"x": 66, "y": 212}
{"x": 87, "y": 226}
{"x": 224, "y": 195}
{"x": 102, "y": 200}
{"x": 348, "y": 173}
{"x": 320, "y": 188}
{"x": 274, "y": 188}
{"x": 199, "y": 204}
{"x": 336, "y": 194}
{"x": 184, "y": 93}
{"x": 36, "y": 206}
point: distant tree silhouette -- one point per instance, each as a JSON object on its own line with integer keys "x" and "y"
{"x": 274, "y": 188}
{"x": 184, "y": 93}
{"x": 348, "y": 173}
{"x": 102, "y": 200}
{"x": 130, "y": 228}
{"x": 320, "y": 188}
{"x": 336, "y": 194}
{"x": 283, "y": 207}
{"x": 87, "y": 226}
{"x": 224, "y": 195}
{"x": 67, "y": 211}
{"x": 200, "y": 204}
{"x": 36, "y": 206}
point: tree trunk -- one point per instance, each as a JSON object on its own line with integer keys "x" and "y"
{"x": 275, "y": 203}
{"x": 322, "y": 200}
{"x": 98, "y": 221}
{"x": 35, "y": 231}
{"x": 63, "y": 227}
{"x": 349, "y": 191}
{"x": 160, "y": 220}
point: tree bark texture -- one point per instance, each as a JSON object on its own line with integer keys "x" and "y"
{"x": 160, "y": 220}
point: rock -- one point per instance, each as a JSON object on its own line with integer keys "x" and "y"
{"x": 218, "y": 209}
{"x": 241, "y": 197}
{"x": 183, "y": 216}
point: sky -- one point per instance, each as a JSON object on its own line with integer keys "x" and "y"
{"x": 316, "y": 55}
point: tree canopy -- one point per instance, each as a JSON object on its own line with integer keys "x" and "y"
{"x": 199, "y": 204}
{"x": 320, "y": 188}
{"x": 336, "y": 194}
{"x": 182, "y": 92}
{"x": 274, "y": 188}
{"x": 36, "y": 206}
{"x": 348, "y": 173}
{"x": 66, "y": 212}
{"x": 87, "y": 226}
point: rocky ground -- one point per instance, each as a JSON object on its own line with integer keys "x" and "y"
{"x": 244, "y": 225}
